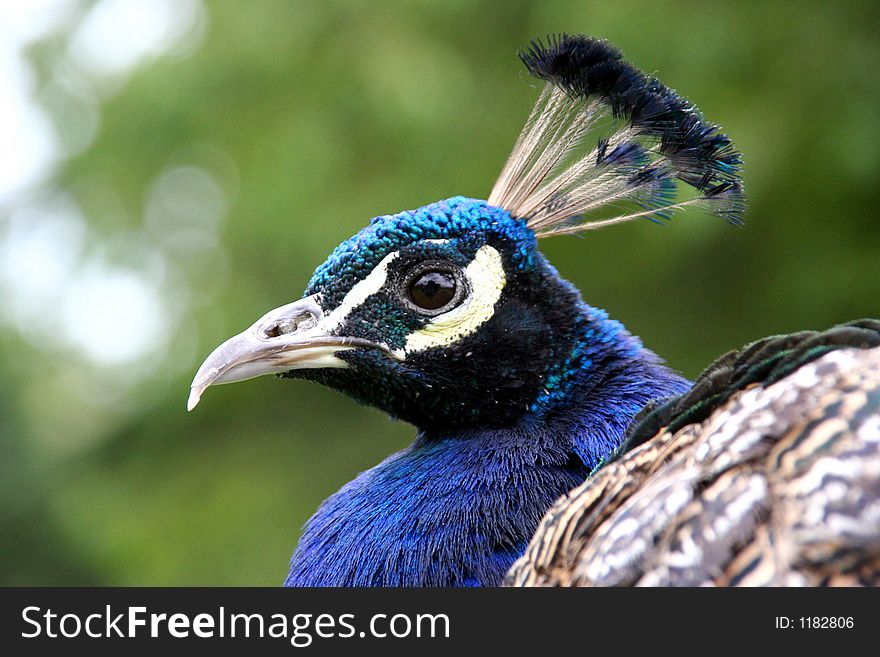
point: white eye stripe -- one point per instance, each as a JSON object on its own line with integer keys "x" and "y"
{"x": 360, "y": 292}
{"x": 486, "y": 278}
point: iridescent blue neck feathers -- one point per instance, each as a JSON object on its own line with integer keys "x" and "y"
{"x": 458, "y": 507}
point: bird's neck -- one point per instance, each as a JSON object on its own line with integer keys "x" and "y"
{"x": 459, "y": 506}
{"x": 604, "y": 377}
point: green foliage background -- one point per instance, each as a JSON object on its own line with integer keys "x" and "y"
{"x": 334, "y": 112}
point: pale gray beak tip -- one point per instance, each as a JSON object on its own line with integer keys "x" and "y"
{"x": 206, "y": 375}
{"x": 194, "y": 397}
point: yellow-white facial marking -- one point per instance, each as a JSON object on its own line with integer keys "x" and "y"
{"x": 359, "y": 293}
{"x": 486, "y": 279}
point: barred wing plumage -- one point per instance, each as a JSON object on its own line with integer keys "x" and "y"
{"x": 779, "y": 485}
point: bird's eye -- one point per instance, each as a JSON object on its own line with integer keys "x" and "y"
{"x": 433, "y": 289}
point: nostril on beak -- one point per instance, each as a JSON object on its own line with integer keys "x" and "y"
{"x": 302, "y": 319}
{"x": 272, "y": 331}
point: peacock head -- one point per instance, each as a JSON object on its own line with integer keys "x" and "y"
{"x": 449, "y": 316}
{"x": 443, "y": 316}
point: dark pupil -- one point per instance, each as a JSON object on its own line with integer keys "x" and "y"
{"x": 432, "y": 290}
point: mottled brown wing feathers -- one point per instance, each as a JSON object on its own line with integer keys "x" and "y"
{"x": 780, "y": 485}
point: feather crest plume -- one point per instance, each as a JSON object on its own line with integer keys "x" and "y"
{"x": 648, "y": 140}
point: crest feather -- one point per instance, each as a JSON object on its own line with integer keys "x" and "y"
{"x": 653, "y": 139}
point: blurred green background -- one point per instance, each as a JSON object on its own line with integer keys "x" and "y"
{"x": 173, "y": 169}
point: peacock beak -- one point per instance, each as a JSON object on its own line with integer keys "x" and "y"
{"x": 294, "y": 336}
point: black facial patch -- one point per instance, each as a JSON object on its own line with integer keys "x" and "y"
{"x": 388, "y": 316}
{"x": 490, "y": 377}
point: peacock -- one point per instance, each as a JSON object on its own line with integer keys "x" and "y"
{"x": 552, "y": 447}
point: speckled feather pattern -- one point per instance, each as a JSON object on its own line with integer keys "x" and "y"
{"x": 780, "y": 486}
